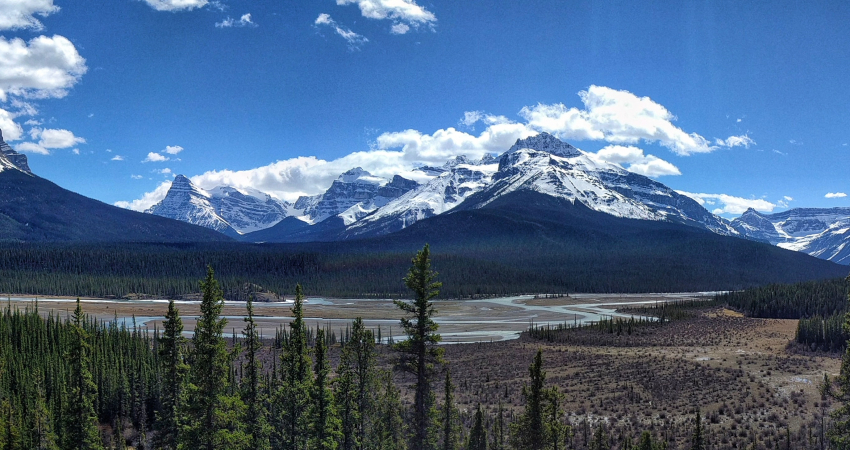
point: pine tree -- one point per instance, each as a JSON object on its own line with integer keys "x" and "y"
{"x": 839, "y": 431}
{"x": 556, "y": 430}
{"x": 449, "y": 416}
{"x": 174, "y": 369}
{"x": 257, "y": 416}
{"x": 697, "y": 439}
{"x": 600, "y": 439}
{"x": 81, "y": 431}
{"x": 293, "y": 398}
{"x": 325, "y": 426}
{"x": 214, "y": 419}
{"x": 419, "y": 351}
{"x": 478, "y": 434}
{"x": 391, "y": 428}
{"x": 355, "y": 387}
{"x": 499, "y": 429}
{"x": 528, "y": 432}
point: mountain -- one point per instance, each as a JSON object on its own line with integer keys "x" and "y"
{"x": 820, "y": 232}
{"x": 225, "y": 209}
{"x": 33, "y": 209}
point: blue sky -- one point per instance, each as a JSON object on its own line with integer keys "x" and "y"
{"x": 744, "y": 103}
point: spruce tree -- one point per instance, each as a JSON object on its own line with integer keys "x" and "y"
{"x": 174, "y": 369}
{"x": 499, "y": 429}
{"x": 839, "y": 431}
{"x": 528, "y": 432}
{"x": 391, "y": 427}
{"x": 325, "y": 424}
{"x": 293, "y": 398}
{"x": 556, "y": 430}
{"x": 419, "y": 351}
{"x": 697, "y": 439}
{"x": 355, "y": 387}
{"x": 81, "y": 428}
{"x": 257, "y": 416}
{"x": 449, "y": 416}
{"x": 214, "y": 419}
{"x": 478, "y": 434}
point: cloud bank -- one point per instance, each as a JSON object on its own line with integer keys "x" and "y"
{"x": 176, "y": 5}
{"x": 729, "y": 204}
{"x": 617, "y": 117}
{"x": 835, "y": 195}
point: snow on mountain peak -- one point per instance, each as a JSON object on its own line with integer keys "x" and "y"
{"x": 545, "y": 142}
{"x": 10, "y": 159}
{"x": 359, "y": 175}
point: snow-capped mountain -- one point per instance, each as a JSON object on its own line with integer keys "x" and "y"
{"x": 820, "y": 232}
{"x": 10, "y": 159}
{"x": 225, "y": 209}
{"x": 460, "y": 179}
{"x": 353, "y": 195}
{"x": 543, "y": 164}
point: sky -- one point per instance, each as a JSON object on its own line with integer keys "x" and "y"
{"x": 738, "y": 104}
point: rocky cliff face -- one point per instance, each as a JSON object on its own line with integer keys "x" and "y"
{"x": 9, "y": 158}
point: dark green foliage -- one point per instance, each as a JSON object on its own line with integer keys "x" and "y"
{"x": 839, "y": 431}
{"x": 698, "y": 438}
{"x": 325, "y": 424}
{"x": 356, "y": 388}
{"x": 174, "y": 370}
{"x": 391, "y": 429}
{"x": 253, "y": 396}
{"x": 478, "y": 434}
{"x": 292, "y": 402}
{"x": 419, "y": 350}
{"x": 499, "y": 429}
{"x": 213, "y": 418}
{"x": 81, "y": 421}
{"x": 528, "y": 432}
{"x": 449, "y": 416}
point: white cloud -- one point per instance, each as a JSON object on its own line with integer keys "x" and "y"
{"x": 20, "y": 14}
{"x": 401, "y": 12}
{"x": 176, "y": 5}
{"x": 10, "y": 129}
{"x": 618, "y": 117}
{"x": 117, "y": 158}
{"x": 788, "y": 199}
{"x": 148, "y": 199}
{"x": 136, "y": 177}
{"x": 75, "y": 151}
{"x": 165, "y": 171}
{"x": 355, "y": 41}
{"x": 172, "y": 149}
{"x": 229, "y": 22}
{"x": 399, "y": 28}
{"x": 155, "y": 157}
{"x": 647, "y": 165}
{"x": 31, "y": 147}
{"x": 731, "y": 204}
{"x": 41, "y": 68}
{"x": 736, "y": 141}
{"x": 51, "y": 138}
{"x": 835, "y": 195}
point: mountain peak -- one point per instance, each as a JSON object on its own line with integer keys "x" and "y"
{"x": 545, "y": 142}
{"x": 13, "y": 158}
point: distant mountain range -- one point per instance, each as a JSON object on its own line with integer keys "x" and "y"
{"x": 359, "y": 205}
{"x": 33, "y": 209}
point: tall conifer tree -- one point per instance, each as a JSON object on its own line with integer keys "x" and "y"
{"x": 528, "y": 432}
{"x": 419, "y": 351}
{"x": 81, "y": 430}
{"x": 293, "y": 399}
{"x": 174, "y": 369}
{"x": 324, "y": 420}
{"x": 257, "y": 416}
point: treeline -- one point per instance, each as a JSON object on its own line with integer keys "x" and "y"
{"x": 820, "y": 306}
{"x": 375, "y": 268}
{"x": 77, "y": 384}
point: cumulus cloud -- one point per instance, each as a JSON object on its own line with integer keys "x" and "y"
{"x": 229, "y": 22}
{"x": 155, "y": 157}
{"x": 835, "y": 195}
{"x": 136, "y": 177}
{"x": 148, "y": 199}
{"x": 403, "y": 13}
{"x": 634, "y": 160}
{"x": 41, "y": 68}
{"x": 20, "y": 14}
{"x": 49, "y": 139}
{"x": 728, "y": 204}
{"x": 355, "y": 41}
{"x": 117, "y": 158}
{"x": 176, "y": 5}
{"x": 172, "y": 149}
{"x": 619, "y": 117}
{"x": 31, "y": 147}
{"x": 165, "y": 171}
{"x": 11, "y": 130}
